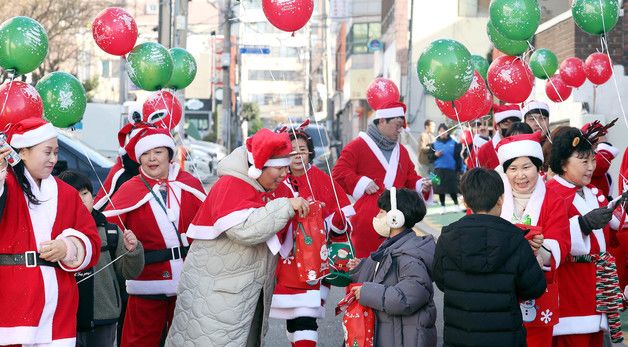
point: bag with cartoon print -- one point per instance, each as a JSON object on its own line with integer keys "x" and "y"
{"x": 310, "y": 245}
{"x": 542, "y": 312}
{"x": 358, "y": 322}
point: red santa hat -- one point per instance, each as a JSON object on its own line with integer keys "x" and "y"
{"x": 267, "y": 148}
{"x": 522, "y": 145}
{"x": 30, "y": 132}
{"x": 392, "y": 109}
{"x": 146, "y": 139}
{"x": 129, "y": 130}
{"x": 503, "y": 112}
{"x": 534, "y": 106}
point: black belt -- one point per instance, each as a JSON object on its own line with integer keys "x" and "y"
{"x": 28, "y": 259}
{"x": 159, "y": 256}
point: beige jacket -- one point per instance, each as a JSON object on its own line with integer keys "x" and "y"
{"x": 225, "y": 279}
{"x": 424, "y": 147}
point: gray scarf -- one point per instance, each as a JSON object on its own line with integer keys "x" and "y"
{"x": 382, "y": 142}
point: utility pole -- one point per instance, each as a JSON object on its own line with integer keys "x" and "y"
{"x": 226, "y": 78}
{"x": 180, "y": 23}
{"x": 164, "y": 32}
{"x": 328, "y": 105}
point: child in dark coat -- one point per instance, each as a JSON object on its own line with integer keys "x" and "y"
{"x": 396, "y": 279}
{"x": 484, "y": 266}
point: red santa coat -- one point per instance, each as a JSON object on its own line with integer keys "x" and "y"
{"x": 487, "y": 155}
{"x": 137, "y": 209}
{"x": 603, "y": 156}
{"x": 293, "y": 298}
{"x": 39, "y": 304}
{"x": 473, "y": 159}
{"x": 102, "y": 198}
{"x": 547, "y": 210}
{"x": 361, "y": 162}
{"x": 577, "y": 281}
{"x": 622, "y": 181}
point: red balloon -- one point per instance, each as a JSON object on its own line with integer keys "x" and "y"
{"x": 22, "y": 102}
{"x": 380, "y": 92}
{"x": 114, "y": 31}
{"x": 598, "y": 68}
{"x": 557, "y": 90}
{"x": 162, "y": 109}
{"x": 510, "y": 79}
{"x": 470, "y": 105}
{"x": 572, "y": 72}
{"x": 288, "y": 15}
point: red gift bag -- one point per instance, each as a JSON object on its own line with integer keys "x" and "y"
{"x": 311, "y": 245}
{"x": 358, "y": 322}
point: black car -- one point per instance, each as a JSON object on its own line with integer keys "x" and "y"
{"x": 74, "y": 155}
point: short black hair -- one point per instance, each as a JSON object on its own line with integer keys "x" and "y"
{"x": 409, "y": 202}
{"x": 299, "y": 134}
{"x": 513, "y": 119}
{"x": 536, "y": 161}
{"x": 76, "y": 179}
{"x": 543, "y": 112}
{"x": 427, "y": 123}
{"x": 519, "y": 128}
{"x": 564, "y": 144}
{"x": 481, "y": 189}
{"x": 442, "y": 126}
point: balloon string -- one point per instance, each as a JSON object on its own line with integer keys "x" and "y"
{"x": 464, "y": 138}
{"x": 104, "y": 267}
{"x": 6, "y": 99}
{"x": 621, "y": 105}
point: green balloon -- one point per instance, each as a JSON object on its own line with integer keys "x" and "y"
{"x": 23, "y": 44}
{"x": 480, "y": 64}
{"x": 63, "y": 97}
{"x": 504, "y": 44}
{"x": 543, "y": 63}
{"x": 184, "y": 69}
{"x": 595, "y": 16}
{"x": 445, "y": 69}
{"x": 149, "y": 66}
{"x": 515, "y": 19}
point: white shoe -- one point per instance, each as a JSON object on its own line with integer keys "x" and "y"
{"x": 461, "y": 208}
{"x": 443, "y": 210}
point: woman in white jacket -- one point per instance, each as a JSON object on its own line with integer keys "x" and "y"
{"x": 228, "y": 278}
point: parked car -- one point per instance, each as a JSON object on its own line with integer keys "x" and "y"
{"x": 322, "y": 145}
{"x": 215, "y": 151}
{"x": 75, "y": 155}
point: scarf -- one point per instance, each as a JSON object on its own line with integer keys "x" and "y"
{"x": 608, "y": 298}
{"x": 382, "y": 142}
{"x": 520, "y": 202}
{"x": 379, "y": 254}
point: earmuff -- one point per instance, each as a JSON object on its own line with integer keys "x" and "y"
{"x": 394, "y": 217}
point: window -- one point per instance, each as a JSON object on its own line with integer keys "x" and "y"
{"x": 274, "y": 75}
{"x": 276, "y": 99}
{"x": 152, "y": 8}
{"x": 473, "y": 8}
{"x": 106, "y": 68}
{"x": 200, "y": 120}
{"x": 360, "y": 35}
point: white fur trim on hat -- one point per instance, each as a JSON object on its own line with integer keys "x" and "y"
{"x": 516, "y": 149}
{"x": 149, "y": 142}
{"x": 33, "y": 137}
{"x": 275, "y": 162}
{"x": 614, "y": 151}
{"x": 389, "y": 113}
{"x": 534, "y": 105}
{"x": 500, "y": 116}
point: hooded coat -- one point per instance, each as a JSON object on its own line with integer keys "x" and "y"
{"x": 484, "y": 266}
{"x": 401, "y": 293}
{"x": 228, "y": 279}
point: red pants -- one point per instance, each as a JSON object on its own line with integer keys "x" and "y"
{"x": 539, "y": 337}
{"x": 145, "y": 321}
{"x": 580, "y": 340}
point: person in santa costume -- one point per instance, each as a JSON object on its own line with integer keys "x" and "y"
{"x": 158, "y": 204}
{"x": 124, "y": 168}
{"x": 590, "y": 298}
{"x": 228, "y": 279}
{"x": 536, "y": 115}
{"x": 476, "y": 139}
{"x": 504, "y": 117}
{"x": 542, "y": 213}
{"x": 46, "y": 234}
{"x": 622, "y": 180}
{"x": 371, "y": 163}
{"x": 604, "y": 155}
{"x": 298, "y": 302}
